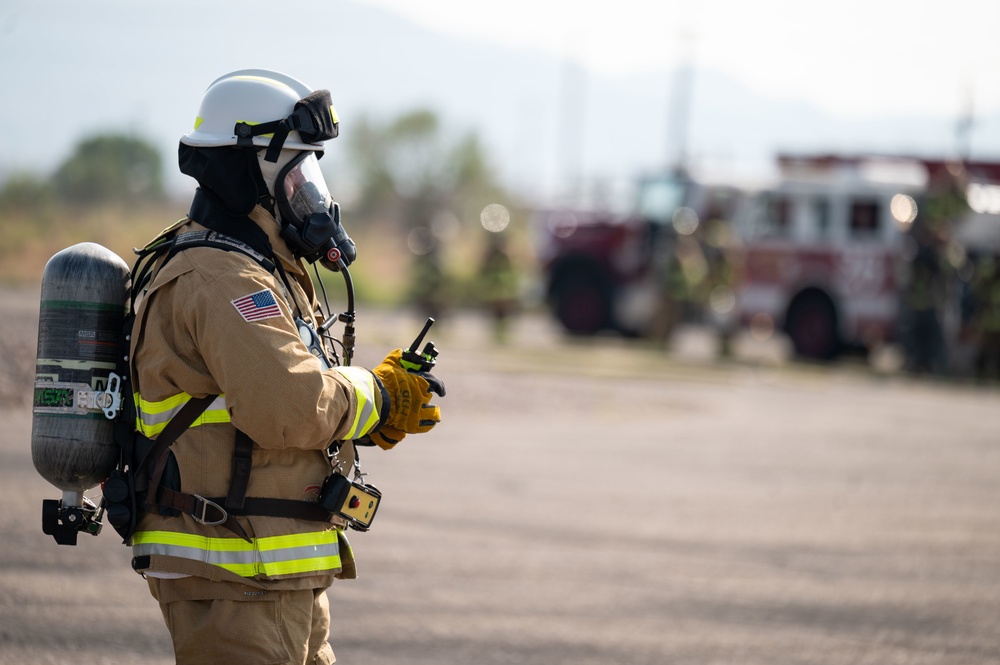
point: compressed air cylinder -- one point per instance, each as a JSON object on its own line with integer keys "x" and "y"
{"x": 84, "y": 291}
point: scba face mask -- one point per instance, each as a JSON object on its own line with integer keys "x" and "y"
{"x": 310, "y": 218}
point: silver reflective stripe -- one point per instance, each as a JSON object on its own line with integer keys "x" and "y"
{"x": 214, "y": 557}
{"x": 299, "y": 553}
{"x": 365, "y": 417}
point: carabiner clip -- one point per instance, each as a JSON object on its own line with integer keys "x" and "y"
{"x": 359, "y": 475}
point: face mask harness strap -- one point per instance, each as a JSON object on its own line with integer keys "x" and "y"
{"x": 314, "y": 118}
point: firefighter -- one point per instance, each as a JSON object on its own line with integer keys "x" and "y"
{"x": 723, "y": 266}
{"x": 986, "y": 316}
{"x": 498, "y": 286}
{"x": 240, "y": 563}
{"x": 683, "y": 277}
{"x": 429, "y": 283}
{"x": 929, "y": 274}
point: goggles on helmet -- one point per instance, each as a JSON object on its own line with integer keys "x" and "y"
{"x": 313, "y": 117}
{"x": 310, "y": 217}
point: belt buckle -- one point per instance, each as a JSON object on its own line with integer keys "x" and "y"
{"x": 205, "y": 503}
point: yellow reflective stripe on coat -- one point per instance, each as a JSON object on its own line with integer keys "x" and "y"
{"x": 366, "y": 415}
{"x": 272, "y": 556}
{"x": 152, "y": 417}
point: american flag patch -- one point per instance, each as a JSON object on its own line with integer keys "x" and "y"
{"x": 257, "y": 306}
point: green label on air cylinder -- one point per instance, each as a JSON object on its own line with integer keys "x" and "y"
{"x": 54, "y": 397}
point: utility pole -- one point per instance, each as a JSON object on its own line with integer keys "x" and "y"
{"x": 678, "y": 117}
{"x": 963, "y": 127}
{"x": 572, "y": 126}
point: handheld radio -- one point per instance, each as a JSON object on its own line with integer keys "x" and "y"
{"x": 422, "y": 361}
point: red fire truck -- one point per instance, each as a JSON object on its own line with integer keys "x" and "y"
{"x": 820, "y": 252}
{"x": 822, "y": 248}
{"x": 601, "y": 263}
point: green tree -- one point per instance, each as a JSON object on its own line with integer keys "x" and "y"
{"x": 432, "y": 185}
{"x": 408, "y": 170}
{"x": 472, "y": 181}
{"x": 111, "y": 168}
{"x": 25, "y": 192}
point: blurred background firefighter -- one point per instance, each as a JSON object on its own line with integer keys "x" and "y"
{"x": 986, "y": 316}
{"x": 929, "y": 275}
{"x": 498, "y": 285}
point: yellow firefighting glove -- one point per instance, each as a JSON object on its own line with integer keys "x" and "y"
{"x": 386, "y": 437}
{"x": 410, "y": 410}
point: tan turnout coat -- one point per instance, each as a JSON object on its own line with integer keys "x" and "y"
{"x": 191, "y": 340}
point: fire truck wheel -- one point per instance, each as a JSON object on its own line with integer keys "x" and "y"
{"x": 582, "y": 303}
{"x": 811, "y": 325}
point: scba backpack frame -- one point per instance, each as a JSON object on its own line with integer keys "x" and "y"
{"x": 83, "y": 412}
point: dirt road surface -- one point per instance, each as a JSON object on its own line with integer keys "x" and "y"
{"x": 599, "y": 502}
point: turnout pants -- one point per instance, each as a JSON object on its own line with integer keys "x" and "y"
{"x": 216, "y": 623}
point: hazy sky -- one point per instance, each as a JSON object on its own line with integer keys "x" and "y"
{"x": 852, "y": 57}
{"x": 772, "y": 74}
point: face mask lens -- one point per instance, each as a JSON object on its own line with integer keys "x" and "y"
{"x": 305, "y": 189}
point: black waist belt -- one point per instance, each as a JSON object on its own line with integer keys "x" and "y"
{"x": 301, "y": 510}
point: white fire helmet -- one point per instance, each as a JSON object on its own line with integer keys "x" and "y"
{"x": 286, "y": 123}
{"x": 263, "y": 108}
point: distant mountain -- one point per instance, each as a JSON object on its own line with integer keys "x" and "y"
{"x": 72, "y": 69}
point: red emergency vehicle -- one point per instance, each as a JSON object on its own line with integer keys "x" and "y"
{"x": 601, "y": 263}
{"x": 822, "y": 248}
